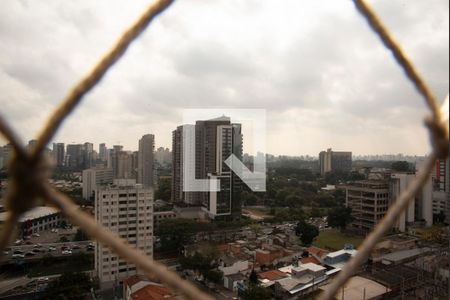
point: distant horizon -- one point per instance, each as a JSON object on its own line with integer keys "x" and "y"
{"x": 109, "y": 146}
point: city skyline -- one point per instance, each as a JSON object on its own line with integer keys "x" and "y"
{"x": 344, "y": 95}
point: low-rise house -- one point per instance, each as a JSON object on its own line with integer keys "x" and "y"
{"x": 230, "y": 268}
{"x": 400, "y": 257}
{"x": 317, "y": 252}
{"x": 338, "y": 259}
{"x": 160, "y": 216}
{"x": 232, "y": 281}
{"x": 272, "y": 275}
{"x": 394, "y": 243}
{"x": 303, "y": 280}
{"x": 138, "y": 287}
{"x": 268, "y": 255}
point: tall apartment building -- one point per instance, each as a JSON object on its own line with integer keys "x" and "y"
{"x": 177, "y": 194}
{"x": 59, "y": 153}
{"x": 93, "y": 178}
{"x": 103, "y": 152}
{"x": 127, "y": 209}
{"x": 88, "y": 155}
{"x": 112, "y": 159}
{"x": 74, "y": 155}
{"x": 146, "y": 160}
{"x": 441, "y": 189}
{"x": 215, "y": 140}
{"x": 227, "y": 202}
{"x": 335, "y": 161}
{"x": 125, "y": 165}
{"x": 418, "y": 210}
{"x": 369, "y": 201}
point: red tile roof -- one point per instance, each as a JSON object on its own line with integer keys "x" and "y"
{"x": 318, "y": 252}
{"x": 130, "y": 281}
{"x": 310, "y": 259}
{"x": 272, "y": 275}
{"x": 153, "y": 292}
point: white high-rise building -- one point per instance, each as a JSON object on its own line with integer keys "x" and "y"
{"x": 127, "y": 209}
{"x": 145, "y": 160}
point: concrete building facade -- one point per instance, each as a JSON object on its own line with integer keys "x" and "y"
{"x": 335, "y": 161}
{"x": 59, "y": 154}
{"x": 127, "y": 209}
{"x": 215, "y": 141}
{"x": 92, "y": 178}
{"x": 369, "y": 201}
{"x": 146, "y": 160}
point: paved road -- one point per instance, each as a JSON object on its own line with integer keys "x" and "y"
{"x": 44, "y": 249}
{"x": 9, "y": 284}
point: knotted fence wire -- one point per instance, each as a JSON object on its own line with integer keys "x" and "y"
{"x": 29, "y": 170}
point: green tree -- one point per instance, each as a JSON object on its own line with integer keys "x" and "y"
{"x": 256, "y": 293}
{"x": 70, "y": 286}
{"x": 213, "y": 275}
{"x": 175, "y": 233}
{"x": 253, "y": 278}
{"x": 164, "y": 189}
{"x": 307, "y": 232}
{"x": 401, "y": 166}
{"x": 340, "y": 217}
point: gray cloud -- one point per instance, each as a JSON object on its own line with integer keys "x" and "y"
{"x": 316, "y": 67}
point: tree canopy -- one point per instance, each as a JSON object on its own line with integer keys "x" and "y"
{"x": 255, "y": 292}
{"x": 306, "y": 232}
{"x": 73, "y": 286}
{"x": 340, "y": 217}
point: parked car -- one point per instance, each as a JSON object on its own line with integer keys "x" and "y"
{"x": 30, "y": 254}
{"x": 18, "y": 255}
{"x": 36, "y": 234}
{"x": 66, "y": 252}
{"x": 51, "y": 248}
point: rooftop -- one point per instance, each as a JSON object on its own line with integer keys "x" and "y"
{"x": 313, "y": 267}
{"x": 342, "y": 252}
{"x": 272, "y": 275}
{"x": 359, "y": 288}
{"x": 153, "y": 292}
{"x": 319, "y": 252}
{"x": 35, "y": 213}
{"x": 404, "y": 254}
{"x": 311, "y": 259}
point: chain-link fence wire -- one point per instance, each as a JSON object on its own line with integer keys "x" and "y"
{"x": 29, "y": 170}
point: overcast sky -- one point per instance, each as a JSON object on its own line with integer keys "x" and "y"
{"x": 322, "y": 75}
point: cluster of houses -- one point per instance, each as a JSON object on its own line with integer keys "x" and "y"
{"x": 289, "y": 271}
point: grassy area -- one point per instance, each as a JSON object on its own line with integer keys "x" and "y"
{"x": 334, "y": 239}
